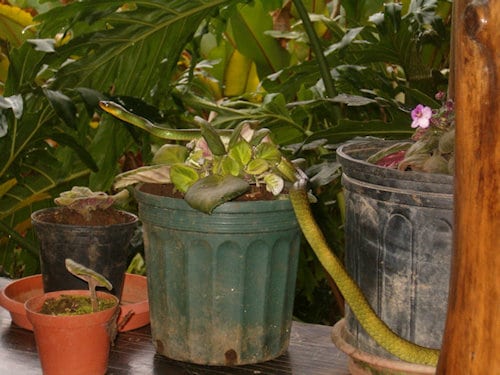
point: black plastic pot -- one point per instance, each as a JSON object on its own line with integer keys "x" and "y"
{"x": 398, "y": 246}
{"x": 101, "y": 248}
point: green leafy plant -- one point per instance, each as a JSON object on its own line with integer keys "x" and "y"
{"x": 214, "y": 169}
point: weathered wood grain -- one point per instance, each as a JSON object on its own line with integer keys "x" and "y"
{"x": 471, "y": 343}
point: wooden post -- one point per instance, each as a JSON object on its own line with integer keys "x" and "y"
{"x": 471, "y": 343}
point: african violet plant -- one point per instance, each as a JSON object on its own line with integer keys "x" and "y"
{"x": 83, "y": 200}
{"x": 434, "y": 140}
{"x": 217, "y": 167}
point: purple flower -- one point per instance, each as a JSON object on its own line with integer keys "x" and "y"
{"x": 440, "y": 95}
{"x": 421, "y": 116}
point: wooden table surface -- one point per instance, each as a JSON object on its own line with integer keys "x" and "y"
{"x": 311, "y": 352}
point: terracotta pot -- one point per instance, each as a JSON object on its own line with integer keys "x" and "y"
{"x": 16, "y": 293}
{"x": 134, "y": 307}
{"x": 364, "y": 363}
{"x": 78, "y": 344}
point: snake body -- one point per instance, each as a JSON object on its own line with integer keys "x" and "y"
{"x": 123, "y": 114}
{"x": 353, "y": 295}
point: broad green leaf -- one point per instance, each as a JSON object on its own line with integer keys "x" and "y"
{"x": 348, "y": 129}
{"x": 106, "y": 148}
{"x": 268, "y": 152}
{"x": 67, "y": 140}
{"x": 257, "y": 167}
{"x": 183, "y": 176}
{"x": 230, "y": 166}
{"x": 213, "y": 139}
{"x": 248, "y": 27}
{"x": 241, "y": 152}
{"x": 357, "y": 12}
{"x": 63, "y": 106}
{"x": 259, "y": 135}
{"x": 211, "y": 191}
{"x": 135, "y": 50}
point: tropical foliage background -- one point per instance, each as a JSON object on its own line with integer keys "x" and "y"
{"x": 316, "y": 72}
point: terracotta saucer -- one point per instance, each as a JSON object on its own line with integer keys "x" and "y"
{"x": 134, "y": 304}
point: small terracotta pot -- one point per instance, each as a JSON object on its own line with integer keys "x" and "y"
{"x": 78, "y": 344}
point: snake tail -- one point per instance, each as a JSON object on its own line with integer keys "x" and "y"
{"x": 374, "y": 326}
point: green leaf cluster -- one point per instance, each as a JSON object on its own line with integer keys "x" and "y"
{"x": 213, "y": 168}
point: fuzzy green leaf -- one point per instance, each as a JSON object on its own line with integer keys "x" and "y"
{"x": 257, "y": 167}
{"x": 269, "y": 152}
{"x": 209, "y": 192}
{"x": 183, "y": 176}
{"x": 241, "y": 152}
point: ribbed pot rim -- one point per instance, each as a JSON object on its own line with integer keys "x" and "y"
{"x": 161, "y": 201}
{"x": 352, "y": 157}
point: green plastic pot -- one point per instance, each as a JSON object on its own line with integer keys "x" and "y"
{"x": 221, "y": 286}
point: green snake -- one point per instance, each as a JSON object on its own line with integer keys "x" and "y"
{"x": 373, "y": 325}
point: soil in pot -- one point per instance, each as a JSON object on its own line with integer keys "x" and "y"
{"x": 73, "y": 305}
{"x": 256, "y": 193}
{"x": 64, "y": 215}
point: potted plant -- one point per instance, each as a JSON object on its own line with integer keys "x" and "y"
{"x": 196, "y": 283}
{"x": 399, "y": 220}
{"x": 87, "y": 228}
{"x": 74, "y": 328}
{"x": 391, "y": 26}
{"x": 221, "y": 244}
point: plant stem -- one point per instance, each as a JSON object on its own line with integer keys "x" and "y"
{"x": 316, "y": 47}
{"x": 93, "y": 294}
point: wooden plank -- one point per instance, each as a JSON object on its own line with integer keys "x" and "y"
{"x": 471, "y": 343}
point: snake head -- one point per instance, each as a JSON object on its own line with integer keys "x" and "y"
{"x": 301, "y": 180}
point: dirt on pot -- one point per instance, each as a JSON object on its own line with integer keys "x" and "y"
{"x": 73, "y": 305}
